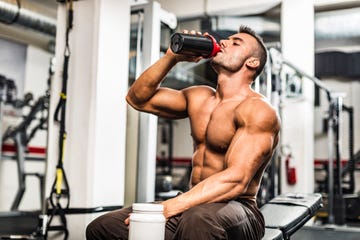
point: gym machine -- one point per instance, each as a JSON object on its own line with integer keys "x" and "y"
{"x": 8, "y": 93}
{"x": 336, "y": 205}
{"x": 21, "y": 136}
{"x": 15, "y": 221}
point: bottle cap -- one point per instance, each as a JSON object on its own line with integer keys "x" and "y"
{"x": 216, "y": 47}
{"x": 148, "y": 207}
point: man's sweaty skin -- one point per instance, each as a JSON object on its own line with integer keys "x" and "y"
{"x": 234, "y": 129}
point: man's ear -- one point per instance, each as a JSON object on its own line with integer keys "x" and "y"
{"x": 252, "y": 62}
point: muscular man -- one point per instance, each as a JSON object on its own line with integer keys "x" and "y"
{"x": 235, "y": 132}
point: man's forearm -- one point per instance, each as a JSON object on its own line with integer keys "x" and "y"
{"x": 216, "y": 188}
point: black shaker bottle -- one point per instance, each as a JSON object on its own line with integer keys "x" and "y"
{"x": 194, "y": 45}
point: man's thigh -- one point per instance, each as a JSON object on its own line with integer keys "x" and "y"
{"x": 222, "y": 214}
{"x": 109, "y": 226}
{"x": 231, "y": 220}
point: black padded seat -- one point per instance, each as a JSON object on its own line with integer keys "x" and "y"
{"x": 289, "y": 212}
{"x": 272, "y": 234}
{"x": 18, "y": 222}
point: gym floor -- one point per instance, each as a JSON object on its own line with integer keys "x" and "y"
{"x": 329, "y": 232}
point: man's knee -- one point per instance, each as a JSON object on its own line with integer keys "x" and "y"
{"x": 109, "y": 226}
{"x": 91, "y": 230}
{"x": 96, "y": 229}
{"x": 106, "y": 227}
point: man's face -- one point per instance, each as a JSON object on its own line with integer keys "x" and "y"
{"x": 234, "y": 52}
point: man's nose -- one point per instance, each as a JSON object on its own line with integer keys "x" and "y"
{"x": 223, "y": 43}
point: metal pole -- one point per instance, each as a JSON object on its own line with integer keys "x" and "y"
{"x": 339, "y": 201}
{"x": 2, "y": 103}
{"x": 339, "y": 142}
{"x": 330, "y": 163}
{"x": 315, "y": 80}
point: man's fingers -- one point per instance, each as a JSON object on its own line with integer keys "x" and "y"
{"x": 191, "y": 32}
{"x": 127, "y": 221}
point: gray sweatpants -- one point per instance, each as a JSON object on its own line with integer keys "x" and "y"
{"x": 238, "y": 220}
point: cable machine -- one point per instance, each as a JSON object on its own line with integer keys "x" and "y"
{"x": 336, "y": 202}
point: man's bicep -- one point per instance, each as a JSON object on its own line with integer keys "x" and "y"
{"x": 168, "y": 103}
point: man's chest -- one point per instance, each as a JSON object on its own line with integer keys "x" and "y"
{"x": 215, "y": 126}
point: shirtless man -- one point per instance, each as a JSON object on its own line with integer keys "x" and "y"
{"x": 235, "y": 132}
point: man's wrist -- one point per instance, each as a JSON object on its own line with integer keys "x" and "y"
{"x": 171, "y": 57}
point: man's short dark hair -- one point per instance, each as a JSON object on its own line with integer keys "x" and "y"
{"x": 262, "y": 52}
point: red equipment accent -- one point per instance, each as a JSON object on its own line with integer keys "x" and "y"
{"x": 290, "y": 170}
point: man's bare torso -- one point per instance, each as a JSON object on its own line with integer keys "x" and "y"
{"x": 214, "y": 124}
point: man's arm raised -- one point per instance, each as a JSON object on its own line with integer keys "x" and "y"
{"x": 146, "y": 94}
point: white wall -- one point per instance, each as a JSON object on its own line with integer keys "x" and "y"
{"x": 36, "y": 78}
{"x": 12, "y": 62}
{"x": 297, "y": 41}
{"x": 94, "y": 157}
{"x": 36, "y": 71}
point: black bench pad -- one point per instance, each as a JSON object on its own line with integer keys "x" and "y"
{"x": 289, "y": 212}
{"x": 272, "y": 234}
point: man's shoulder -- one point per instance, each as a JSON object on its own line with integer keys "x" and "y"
{"x": 257, "y": 110}
{"x": 200, "y": 91}
{"x": 254, "y": 102}
{"x": 199, "y": 88}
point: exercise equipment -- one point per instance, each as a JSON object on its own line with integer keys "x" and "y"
{"x": 349, "y": 169}
{"x": 22, "y": 133}
{"x": 60, "y": 188}
{"x": 21, "y": 136}
{"x": 8, "y": 92}
{"x": 18, "y": 224}
{"x": 335, "y": 198}
{"x": 346, "y": 181}
{"x": 287, "y": 213}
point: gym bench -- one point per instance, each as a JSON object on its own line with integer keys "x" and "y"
{"x": 287, "y": 213}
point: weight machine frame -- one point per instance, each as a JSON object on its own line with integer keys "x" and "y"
{"x": 336, "y": 202}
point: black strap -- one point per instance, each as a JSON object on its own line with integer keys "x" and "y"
{"x": 60, "y": 188}
{"x": 60, "y": 112}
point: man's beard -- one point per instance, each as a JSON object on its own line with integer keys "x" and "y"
{"x": 217, "y": 66}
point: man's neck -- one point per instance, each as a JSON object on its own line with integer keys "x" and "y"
{"x": 235, "y": 86}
